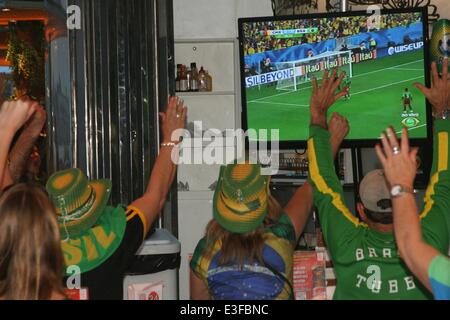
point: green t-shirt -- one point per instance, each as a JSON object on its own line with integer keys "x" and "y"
{"x": 90, "y": 249}
{"x": 366, "y": 262}
{"x": 347, "y": 82}
{"x": 252, "y": 280}
{"x": 407, "y": 95}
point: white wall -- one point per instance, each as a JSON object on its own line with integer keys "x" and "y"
{"x": 195, "y": 19}
{"x": 443, "y": 8}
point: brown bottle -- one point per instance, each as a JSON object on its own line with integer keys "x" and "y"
{"x": 194, "y": 78}
{"x": 177, "y": 79}
{"x": 209, "y": 80}
{"x": 202, "y": 85}
{"x": 184, "y": 84}
{"x": 189, "y": 79}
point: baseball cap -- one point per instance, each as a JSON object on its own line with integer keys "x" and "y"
{"x": 374, "y": 192}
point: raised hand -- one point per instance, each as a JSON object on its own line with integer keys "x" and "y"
{"x": 14, "y": 114}
{"x": 37, "y": 121}
{"x": 173, "y": 118}
{"x": 324, "y": 96}
{"x": 439, "y": 93}
{"x": 399, "y": 161}
{"x": 338, "y": 127}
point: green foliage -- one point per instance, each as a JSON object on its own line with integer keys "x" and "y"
{"x": 26, "y": 52}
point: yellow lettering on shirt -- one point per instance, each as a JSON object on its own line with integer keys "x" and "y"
{"x": 72, "y": 252}
{"x": 91, "y": 250}
{"x": 104, "y": 240}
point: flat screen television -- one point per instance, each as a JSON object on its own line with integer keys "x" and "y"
{"x": 383, "y": 57}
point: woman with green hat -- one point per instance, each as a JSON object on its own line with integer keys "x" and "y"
{"x": 99, "y": 241}
{"x": 247, "y": 251}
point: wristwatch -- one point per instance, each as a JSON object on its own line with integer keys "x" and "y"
{"x": 399, "y": 190}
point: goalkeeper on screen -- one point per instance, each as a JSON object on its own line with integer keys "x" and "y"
{"x": 345, "y": 86}
{"x": 407, "y": 99}
{"x": 347, "y": 83}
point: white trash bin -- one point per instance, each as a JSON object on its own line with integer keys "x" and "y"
{"x": 154, "y": 273}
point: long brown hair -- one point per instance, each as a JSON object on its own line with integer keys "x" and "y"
{"x": 31, "y": 261}
{"x": 236, "y": 247}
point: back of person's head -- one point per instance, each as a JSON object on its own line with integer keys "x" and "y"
{"x": 31, "y": 261}
{"x": 242, "y": 207}
{"x": 375, "y": 201}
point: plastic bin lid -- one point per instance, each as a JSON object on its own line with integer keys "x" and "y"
{"x": 161, "y": 242}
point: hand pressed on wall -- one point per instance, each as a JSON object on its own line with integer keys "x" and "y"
{"x": 173, "y": 119}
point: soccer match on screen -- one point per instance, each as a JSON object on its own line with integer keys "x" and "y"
{"x": 382, "y": 62}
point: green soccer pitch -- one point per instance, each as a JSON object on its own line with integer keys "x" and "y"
{"x": 376, "y": 91}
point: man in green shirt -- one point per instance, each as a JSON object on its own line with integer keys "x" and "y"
{"x": 364, "y": 253}
{"x": 407, "y": 99}
{"x": 430, "y": 266}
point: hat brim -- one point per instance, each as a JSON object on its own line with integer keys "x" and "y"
{"x": 102, "y": 189}
{"x": 234, "y": 222}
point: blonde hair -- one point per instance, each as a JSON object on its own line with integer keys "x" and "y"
{"x": 31, "y": 260}
{"x": 236, "y": 248}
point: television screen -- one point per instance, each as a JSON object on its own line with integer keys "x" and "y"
{"x": 382, "y": 56}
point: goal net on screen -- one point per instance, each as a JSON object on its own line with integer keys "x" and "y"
{"x": 304, "y": 70}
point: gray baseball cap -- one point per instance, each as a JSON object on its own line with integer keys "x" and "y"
{"x": 374, "y": 192}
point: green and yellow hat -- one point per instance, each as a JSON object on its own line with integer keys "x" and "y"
{"x": 78, "y": 202}
{"x": 241, "y": 198}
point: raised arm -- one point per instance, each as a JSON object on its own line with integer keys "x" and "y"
{"x": 13, "y": 115}
{"x": 435, "y": 217}
{"x": 337, "y": 222}
{"x": 163, "y": 172}
{"x": 20, "y": 152}
{"x": 300, "y": 206}
{"x": 400, "y": 170}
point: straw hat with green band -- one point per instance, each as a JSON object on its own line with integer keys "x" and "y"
{"x": 78, "y": 202}
{"x": 241, "y": 198}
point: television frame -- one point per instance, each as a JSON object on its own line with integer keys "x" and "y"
{"x": 357, "y": 143}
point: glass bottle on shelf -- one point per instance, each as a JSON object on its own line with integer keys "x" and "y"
{"x": 209, "y": 83}
{"x": 177, "y": 79}
{"x": 184, "y": 85}
{"x": 189, "y": 79}
{"x": 202, "y": 85}
{"x": 194, "y": 78}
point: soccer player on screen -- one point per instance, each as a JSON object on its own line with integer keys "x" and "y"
{"x": 407, "y": 99}
{"x": 347, "y": 83}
